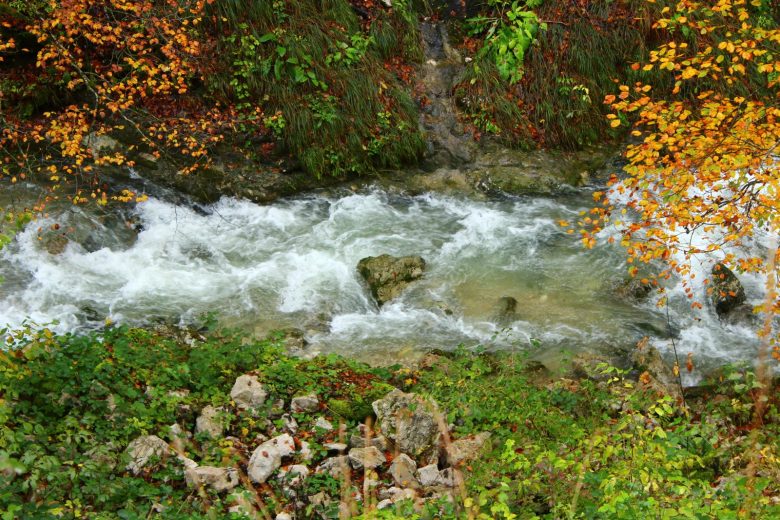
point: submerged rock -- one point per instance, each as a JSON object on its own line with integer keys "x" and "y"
{"x": 727, "y": 291}
{"x": 633, "y": 289}
{"x": 505, "y": 311}
{"x": 387, "y": 276}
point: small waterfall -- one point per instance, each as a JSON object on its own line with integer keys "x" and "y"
{"x": 449, "y": 143}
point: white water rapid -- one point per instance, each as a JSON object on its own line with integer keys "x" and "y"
{"x": 282, "y": 265}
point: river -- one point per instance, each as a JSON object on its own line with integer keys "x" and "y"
{"x": 292, "y": 264}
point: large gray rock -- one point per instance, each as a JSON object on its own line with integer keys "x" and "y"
{"x": 387, "y": 276}
{"x": 248, "y": 393}
{"x": 727, "y": 291}
{"x": 369, "y": 458}
{"x": 267, "y": 457}
{"x": 218, "y": 479}
{"x": 211, "y": 421}
{"x": 143, "y": 450}
{"x": 464, "y": 450}
{"x": 410, "y": 422}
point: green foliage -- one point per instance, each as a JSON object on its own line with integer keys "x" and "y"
{"x": 69, "y": 405}
{"x": 508, "y": 35}
{"x": 562, "y": 451}
{"x": 321, "y": 71}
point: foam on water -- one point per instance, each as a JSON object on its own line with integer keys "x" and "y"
{"x": 264, "y": 267}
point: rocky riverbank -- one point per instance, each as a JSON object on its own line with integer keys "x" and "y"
{"x": 183, "y": 423}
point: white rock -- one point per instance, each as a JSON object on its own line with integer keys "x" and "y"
{"x": 384, "y": 504}
{"x": 267, "y": 457}
{"x": 290, "y": 424}
{"x": 186, "y": 462}
{"x": 446, "y": 477}
{"x": 210, "y": 422}
{"x": 248, "y": 393}
{"x": 304, "y": 403}
{"x": 283, "y": 516}
{"x": 464, "y": 450}
{"x": 428, "y": 475}
{"x": 294, "y": 475}
{"x": 143, "y": 449}
{"x": 335, "y": 446}
{"x": 334, "y": 466}
{"x": 323, "y": 423}
{"x": 366, "y": 458}
{"x": 218, "y": 479}
{"x": 305, "y": 451}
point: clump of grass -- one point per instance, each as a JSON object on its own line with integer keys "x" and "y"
{"x": 319, "y": 67}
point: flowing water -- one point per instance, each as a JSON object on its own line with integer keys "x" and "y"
{"x": 292, "y": 264}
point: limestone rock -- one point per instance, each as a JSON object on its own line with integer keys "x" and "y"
{"x": 387, "y": 276}
{"x": 248, "y": 393}
{"x": 210, "y": 422}
{"x": 294, "y": 475}
{"x": 267, "y": 457}
{"x": 464, "y": 450}
{"x": 218, "y": 479}
{"x": 410, "y": 422}
{"x": 403, "y": 471}
{"x": 428, "y": 475}
{"x": 727, "y": 291}
{"x": 145, "y": 449}
{"x": 305, "y": 403}
{"x": 370, "y": 458}
{"x": 323, "y": 424}
{"x": 334, "y": 466}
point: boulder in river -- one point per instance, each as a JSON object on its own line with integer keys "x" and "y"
{"x": 727, "y": 291}
{"x": 387, "y": 276}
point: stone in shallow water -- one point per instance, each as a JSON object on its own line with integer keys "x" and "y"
{"x": 387, "y": 276}
{"x": 727, "y": 291}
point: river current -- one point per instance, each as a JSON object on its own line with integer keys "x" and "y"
{"x": 292, "y": 264}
